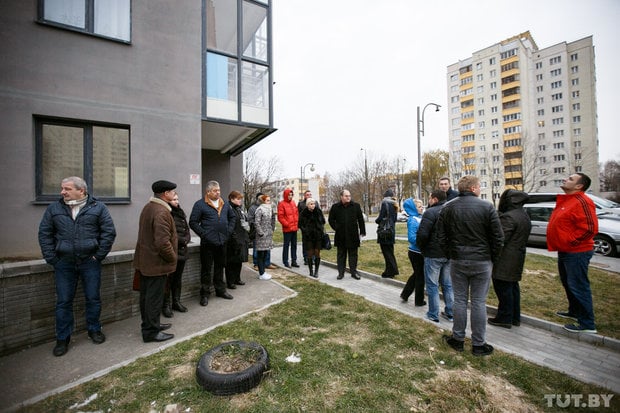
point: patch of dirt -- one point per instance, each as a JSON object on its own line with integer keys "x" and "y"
{"x": 234, "y": 359}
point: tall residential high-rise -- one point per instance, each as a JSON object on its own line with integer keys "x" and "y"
{"x": 522, "y": 117}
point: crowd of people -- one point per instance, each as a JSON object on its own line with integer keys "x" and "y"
{"x": 460, "y": 243}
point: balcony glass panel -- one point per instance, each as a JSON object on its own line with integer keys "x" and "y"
{"x": 255, "y": 93}
{"x": 221, "y": 87}
{"x": 255, "y": 38}
{"x": 221, "y": 27}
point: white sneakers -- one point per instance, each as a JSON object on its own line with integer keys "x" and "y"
{"x": 265, "y": 276}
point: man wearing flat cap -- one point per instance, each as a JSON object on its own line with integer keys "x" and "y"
{"x": 155, "y": 258}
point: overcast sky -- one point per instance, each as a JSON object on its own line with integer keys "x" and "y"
{"x": 350, "y": 73}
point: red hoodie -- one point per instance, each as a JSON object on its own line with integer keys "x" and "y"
{"x": 573, "y": 224}
{"x": 288, "y": 215}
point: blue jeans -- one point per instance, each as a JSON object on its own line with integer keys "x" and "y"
{"x": 573, "y": 269}
{"x": 437, "y": 271}
{"x": 255, "y": 255}
{"x": 470, "y": 280}
{"x": 67, "y": 272}
{"x": 290, "y": 238}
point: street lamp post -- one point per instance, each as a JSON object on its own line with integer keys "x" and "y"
{"x": 367, "y": 182}
{"x": 301, "y": 178}
{"x": 420, "y": 134}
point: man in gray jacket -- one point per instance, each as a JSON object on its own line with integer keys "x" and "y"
{"x": 76, "y": 233}
{"x": 470, "y": 232}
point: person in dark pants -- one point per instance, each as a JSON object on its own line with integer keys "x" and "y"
{"x": 415, "y": 283}
{"x": 172, "y": 293}
{"x": 508, "y": 269}
{"x": 155, "y": 258}
{"x": 213, "y": 220}
{"x": 571, "y": 230}
{"x": 237, "y": 245}
{"x": 311, "y": 223}
{"x": 389, "y": 210}
{"x": 347, "y": 220}
{"x": 75, "y": 234}
{"x": 471, "y": 235}
{"x": 288, "y": 216}
{"x": 300, "y": 207}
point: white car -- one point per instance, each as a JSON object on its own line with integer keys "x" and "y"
{"x": 606, "y": 242}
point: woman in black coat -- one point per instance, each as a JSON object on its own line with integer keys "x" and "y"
{"x": 237, "y": 244}
{"x": 174, "y": 281}
{"x": 312, "y": 222}
{"x": 508, "y": 269}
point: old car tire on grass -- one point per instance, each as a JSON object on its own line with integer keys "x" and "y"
{"x": 223, "y": 384}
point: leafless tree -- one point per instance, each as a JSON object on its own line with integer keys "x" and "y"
{"x": 610, "y": 177}
{"x": 257, "y": 173}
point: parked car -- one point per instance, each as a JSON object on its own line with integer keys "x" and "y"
{"x": 401, "y": 217}
{"x": 606, "y": 242}
{"x": 602, "y": 204}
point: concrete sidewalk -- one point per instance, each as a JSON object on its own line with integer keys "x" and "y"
{"x": 34, "y": 374}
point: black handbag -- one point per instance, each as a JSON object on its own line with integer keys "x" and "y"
{"x": 327, "y": 243}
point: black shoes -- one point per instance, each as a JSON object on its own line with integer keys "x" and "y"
{"x": 566, "y": 314}
{"x": 454, "y": 343}
{"x": 447, "y": 316}
{"x": 356, "y": 276}
{"x": 159, "y": 337}
{"x": 405, "y": 299}
{"x": 340, "y": 276}
{"x": 164, "y": 326}
{"x": 166, "y": 311}
{"x": 420, "y": 304}
{"x": 177, "y": 306}
{"x": 96, "y": 336}
{"x": 496, "y": 323}
{"x": 204, "y": 300}
{"x": 61, "y": 347}
{"x": 224, "y": 295}
{"x": 231, "y": 286}
{"x": 483, "y": 350}
{"x": 295, "y": 264}
{"x": 240, "y": 282}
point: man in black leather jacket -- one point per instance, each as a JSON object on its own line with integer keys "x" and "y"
{"x": 471, "y": 234}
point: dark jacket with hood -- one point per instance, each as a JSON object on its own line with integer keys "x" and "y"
{"x": 427, "y": 238}
{"x": 238, "y": 243}
{"x": 469, "y": 229}
{"x": 516, "y": 226}
{"x": 389, "y": 209}
{"x": 312, "y": 225}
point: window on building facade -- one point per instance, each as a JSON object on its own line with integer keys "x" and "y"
{"x": 494, "y": 122}
{"x": 106, "y": 18}
{"x": 540, "y": 112}
{"x": 493, "y": 85}
{"x": 237, "y": 73}
{"x": 557, "y": 158}
{"x": 492, "y": 61}
{"x": 99, "y": 153}
{"x": 574, "y": 57}
{"x": 577, "y": 156}
{"x": 494, "y": 97}
{"x": 493, "y": 109}
{"x": 556, "y": 96}
{"x": 495, "y": 134}
{"x": 578, "y": 168}
{"x": 539, "y": 88}
{"x": 559, "y": 170}
{"x": 558, "y": 134}
{"x": 479, "y": 77}
{"x": 558, "y": 145}
{"x": 576, "y": 119}
{"x": 478, "y": 66}
{"x": 557, "y": 121}
{"x": 555, "y": 72}
{"x": 493, "y": 73}
{"x": 538, "y": 65}
{"x": 555, "y": 60}
{"x": 577, "y": 144}
{"x": 454, "y": 77}
{"x": 556, "y": 85}
{"x": 576, "y": 131}
{"x": 574, "y": 69}
{"x": 576, "y": 106}
{"x": 558, "y": 108}
{"x": 539, "y": 77}
{"x": 542, "y": 183}
{"x": 574, "y": 82}
{"x": 540, "y": 101}
{"x": 575, "y": 94}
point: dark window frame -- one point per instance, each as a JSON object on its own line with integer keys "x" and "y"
{"x": 87, "y": 125}
{"x": 89, "y": 22}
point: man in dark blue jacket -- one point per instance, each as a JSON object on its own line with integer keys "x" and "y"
{"x": 213, "y": 220}
{"x": 471, "y": 236}
{"x": 75, "y": 234}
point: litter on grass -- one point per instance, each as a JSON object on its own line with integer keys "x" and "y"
{"x": 293, "y": 358}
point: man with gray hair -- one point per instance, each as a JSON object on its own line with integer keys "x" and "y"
{"x": 470, "y": 232}
{"x": 75, "y": 234}
{"x": 213, "y": 220}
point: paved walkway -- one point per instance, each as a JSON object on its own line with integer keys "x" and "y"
{"x": 34, "y": 374}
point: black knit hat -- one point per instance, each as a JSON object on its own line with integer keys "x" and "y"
{"x": 388, "y": 194}
{"x": 159, "y": 187}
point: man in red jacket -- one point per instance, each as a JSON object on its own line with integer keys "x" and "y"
{"x": 288, "y": 215}
{"x": 571, "y": 230}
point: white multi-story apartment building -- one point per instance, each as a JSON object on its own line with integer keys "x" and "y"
{"x": 522, "y": 117}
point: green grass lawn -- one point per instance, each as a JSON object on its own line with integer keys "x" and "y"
{"x": 541, "y": 290}
{"x": 356, "y": 356}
